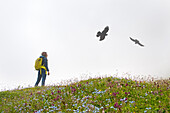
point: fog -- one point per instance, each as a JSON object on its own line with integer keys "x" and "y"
{"x": 67, "y": 30}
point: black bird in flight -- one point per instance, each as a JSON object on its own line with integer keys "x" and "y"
{"x": 136, "y": 41}
{"x": 103, "y": 33}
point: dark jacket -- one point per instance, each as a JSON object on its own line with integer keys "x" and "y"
{"x": 45, "y": 62}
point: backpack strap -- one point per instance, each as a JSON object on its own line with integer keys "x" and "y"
{"x": 43, "y": 67}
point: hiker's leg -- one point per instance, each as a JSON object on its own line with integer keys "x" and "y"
{"x": 43, "y": 77}
{"x": 38, "y": 78}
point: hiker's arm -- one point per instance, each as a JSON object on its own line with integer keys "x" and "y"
{"x": 46, "y": 65}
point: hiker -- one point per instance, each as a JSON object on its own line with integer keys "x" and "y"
{"x": 42, "y": 69}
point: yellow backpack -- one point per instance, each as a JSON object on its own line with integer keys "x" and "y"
{"x": 38, "y": 65}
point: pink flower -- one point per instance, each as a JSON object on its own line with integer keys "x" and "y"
{"x": 38, "y": 92}
{"x": 59, "y": 91}
{"x": 79, "y": 85}
{"x": 52, "y": 93}
{"x": 73, "y": 90}
{"x": 114, "y": 94}
{"x": 116, "y": 105}
{"x": 57, "y": 98}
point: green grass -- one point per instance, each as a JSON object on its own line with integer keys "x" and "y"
{"x": 93, "y": 95}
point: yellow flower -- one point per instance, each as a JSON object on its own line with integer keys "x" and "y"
{"x": 5, "y": 99}
{"x": 99, "y": 90}
{"x": 110, "y": 93}
{"x": 135, "y": 107}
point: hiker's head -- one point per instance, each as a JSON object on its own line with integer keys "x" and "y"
{"x": 44, "y": 54}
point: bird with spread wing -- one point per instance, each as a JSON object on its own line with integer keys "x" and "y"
{"x": 136, "y": 41}
{"x": 103, "y": 33}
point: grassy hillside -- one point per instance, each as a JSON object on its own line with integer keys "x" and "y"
{"x": 93, "y": 95}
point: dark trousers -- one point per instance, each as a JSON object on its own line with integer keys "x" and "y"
{"x": 43, "y": 76}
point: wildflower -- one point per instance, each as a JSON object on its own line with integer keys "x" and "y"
{"x": 38, "y": 92}
{"x": 73, "y": 90}
{"x": 146, "y": 94}
{"x": 59, "y": 91}
{"x": 132, "y": 102}
{"x": 126, "y": 93}
{"x": 58, "y": 97}
{"x": 79, "y": 85}
{"x": 52, "y": 93}
{"x": 111, "y": 107}
{"x": 148, "y": 108}
{"x": 114, "y": 94}
{"x": 126, "y": 84}
{"x": 116, "y": 105}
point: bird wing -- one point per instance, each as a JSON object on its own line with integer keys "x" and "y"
{"x": 132, "y": 39}
{"x": 140, "y": 44}
{"x": 106, "y": 29}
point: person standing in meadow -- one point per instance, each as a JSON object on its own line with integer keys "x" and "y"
{"x": 42, "y": 66}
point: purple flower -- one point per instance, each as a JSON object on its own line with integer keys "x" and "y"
{"x": 73, "y": 90}
{"x": 58, "y": 97}
{"x": 114, "y": 94}
{"x": 116, "y": 105}
{"x": 126, "y": 84}
{"x": 59, "y": 91}
{"x": 52, "y": 93}
{"x": 79, "y": 85}
{"x": 126, "y": 93}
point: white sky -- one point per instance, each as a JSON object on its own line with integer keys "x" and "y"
{"x": 67, "y": 29}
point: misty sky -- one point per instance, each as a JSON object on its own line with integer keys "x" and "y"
{"x": 67, "y": 29}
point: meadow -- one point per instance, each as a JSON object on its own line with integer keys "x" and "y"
{"x": 104, "y": 95}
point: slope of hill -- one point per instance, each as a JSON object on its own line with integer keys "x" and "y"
{"x": 93, "y": 95}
